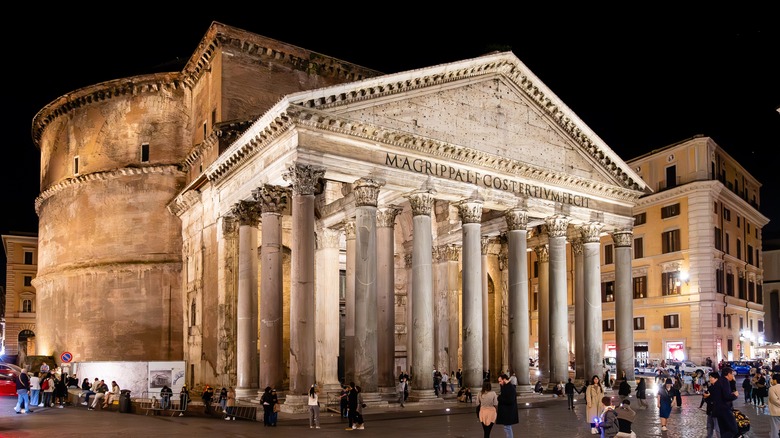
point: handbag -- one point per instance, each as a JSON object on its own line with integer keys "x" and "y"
{"x": 277, "y": 407}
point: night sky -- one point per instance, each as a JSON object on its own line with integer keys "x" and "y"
{"x": 640, "y": 79}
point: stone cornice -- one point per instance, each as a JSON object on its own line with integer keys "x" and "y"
{"x": 102, "y": 176}
{"x": 455, "y": 153}
{"x": 152, "y": 83}
{"x": 506, "y": 66}
{"x": 222, "y": 132}
{"x": 183, "y": 202}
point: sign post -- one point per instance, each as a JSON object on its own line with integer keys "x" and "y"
{"x": 66, "y": 356}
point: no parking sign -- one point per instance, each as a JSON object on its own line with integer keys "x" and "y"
{"x": 66, "y": 356}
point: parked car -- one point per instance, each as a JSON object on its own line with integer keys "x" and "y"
{"x": 686, "y": 367}
{"x": 7, "y": 384}
{"x": 741, "y": 368}
{"x": 646, "y": 367}
{"x": 9, "y": 366}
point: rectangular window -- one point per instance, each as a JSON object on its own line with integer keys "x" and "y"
{"x": 145, "y": 153}
{"x": 670, "y": 210}
{"x": 27, "y": 306}
{"x": 640, "y": 219}
{"x": 28, "y": 280}
{"x": 758, "y": 260}
{"x": 205, "y": 131}
{"x": 639, "y": 323}
{"x": 749, "y": 253}
{"x": 728, "y": 245}
{"x": 608, "y": 325}
{"x": 727, "y": 215}
{"x": 76, "y": 165}
{"x": 608, "y": 292}
{"x": 718, "y": 239}
{"x": 536, "y": 269}
{"x": 213, "y": 117}
{"x": 730, "y": 284}
{"x": 739, "y": 221}
{"x": 729, "y": 344}
{"x": 535, "y": 304}
{"x": 760, "y": 326}
{"x": 609, "y": 253}
{"x": 741, "y": 323}
{"x": 670, "y": 283}
{"x": 716, "y": 207}
{"x": 639, "y": 248}
{"x": 640, "y": 287}
{"x": 741, "y": 292}
{"x": 751, "y": 291}
{"x": 747, "y": 227}
{"x": 718, "y": 323}
{"x": 759, "y": 293}
{"x": 670, "y": 241}
{"x": 28, "y": 258}
{"x": 671, "y": 321}
{"x": 719, "y": 280}
{"x": 739, "y": 249}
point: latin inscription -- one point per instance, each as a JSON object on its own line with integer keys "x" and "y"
{"x": 483, "y": 179}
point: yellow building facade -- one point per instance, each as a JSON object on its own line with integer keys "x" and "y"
{"x": 21, "y": 253}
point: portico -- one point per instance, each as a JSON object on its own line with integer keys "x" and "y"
{"x": 426, "y": 166}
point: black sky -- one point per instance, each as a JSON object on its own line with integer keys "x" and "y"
{"x": 640, "y": 79}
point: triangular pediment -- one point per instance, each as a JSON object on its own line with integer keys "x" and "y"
{"x": 491, "y": 104}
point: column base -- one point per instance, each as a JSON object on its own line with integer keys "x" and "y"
{"x": 373, "y": 399}
{"x": 524, "y": 389}
{"x": 295, "y": 404}
{"x": 246, "y": 392}
{"x": 426, "y": 396}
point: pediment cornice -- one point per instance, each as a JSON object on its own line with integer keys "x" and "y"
{"x": 504, "y": 65}
{"x": 322, "y": 121}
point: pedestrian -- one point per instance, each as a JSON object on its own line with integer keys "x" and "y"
{"x": 352, "y": 405}
{"x": 267, "y": 400}
{"x": 358, "y": 422}
{"x": 47, "y": 386}
{"x": 22, "y": 381}
{"x": 676, "y": 389}
{"x": 112, "y": 395}
{"x": 641, "y": 393}
{"x": 44, "y": 369}
{"x": 314, "y": 407}
{"x": 506, "y": 413}
{"x": 445, "y": 382}
{"x": 747, "y": 388}
{"x": 687, "y": 383}
{"x": 624, "y": 390}
{"x": 459, "y": 376}
{"x": 222, "y": 400}
{"x": 231, "y": 404}
{"x": 570, "y": 389}
{"x": 593, "y": 396}
{"x": 452, "y": 382}
{"x": 774, "y": 404}
{"x": 344, "y": 398}
{"x": 608, "y": 420}
{"x": 665, "y": 399}
{"x": 760, "y": 390}
{"x": 35, "y": 389}
{"x": 184, "y": 399}
{"x": 721, "y": 395}
{"x": 275, "y": 407}
{"x": 712, "y": 421}
{"x": 165, "y": 397}
{"x": 625, "y": 416}
{"x": 488, "y": 400}
{"x": 538, "y": 387}
{"x": 400, "y": 388}
{"x": 60, "y": 393}
{"x": 207, "y": 396}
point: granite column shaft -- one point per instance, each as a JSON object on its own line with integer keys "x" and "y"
{"x": 559, "y": 306}
{"x": 519, "y": 322}
{"x": 624, "y": 306}
{"x": 592, "y": 303}
{"x": 473, "y": 365}
{"x": 385, "y": 291}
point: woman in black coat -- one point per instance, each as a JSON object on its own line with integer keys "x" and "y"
{"x": 507, "y": 405}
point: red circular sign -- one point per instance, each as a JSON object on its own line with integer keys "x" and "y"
{"x": 66, "y": 356}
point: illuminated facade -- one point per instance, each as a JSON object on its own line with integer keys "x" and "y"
{"x": 21, "y": 252}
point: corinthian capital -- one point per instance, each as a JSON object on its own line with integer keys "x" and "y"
{"x": 421, "y": 202}
{"x": 557, "y": 225}
{"x": 367, "y": 192}
{"x": 516, "y": 219}
{"x": 385, "y": 216}
{"x": 327, "y": 238}
{"x": 577, "y": 246}
{"x": 543, "y": 253}
{"x": 591, "y": 232}
{"x": 273, "y": 199}
{"x": 247, "y": 212}
{"x": 470, "y": 211}
{"x": 349, "y": 229}
{"x": 303, "y": 178}
{"x": 229, "y": 226}
{"x": 622, "y": 238}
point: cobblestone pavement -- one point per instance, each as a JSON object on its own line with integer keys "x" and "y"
{"x": 544, "y": 416}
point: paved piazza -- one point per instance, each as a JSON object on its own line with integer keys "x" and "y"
{"x": 545, "y": 416}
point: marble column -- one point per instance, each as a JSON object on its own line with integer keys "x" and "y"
{"x": 484, "y": 243}
{"x": 503, "y": 307}
{"x": 579, "y": 310}
{"x": 349, "y": 304}
{"x": 559, "y": 306}
{"x": 409, "y": 314}
{"x": 624, "y": 306}
{"x": 519, "y": 316}
{"x": 543, "y": 314}
{"x": 441, "y": 311}
{"x": 471, "y": 217}
{"x": 248, "y": 214}
{"x": 592, "y": 303}
{"x": 366, "y": 194}
{"x": 385, "y": 292}
{"x": 228, "y": 298}
{"x": 451, "y": 253}
{"x": 273, "y": 201}
{"x": 422, "y": 306}
{"x": 326, "y": 308}
{"x": 304, "y": 179}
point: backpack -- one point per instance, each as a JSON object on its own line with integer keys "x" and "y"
{"x": 743, "y": 422}
{"x": 45, "y": 384}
